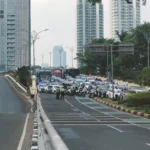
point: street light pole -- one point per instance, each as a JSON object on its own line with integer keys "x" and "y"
{"x": 72, "y": 56}
{"x": 148, "y": 40}
{"x": 50, "y": 57}
{"x": 33, "y": 52}
{"x": 34, "y": 38}
{"x": 60, "y": 50}
{"x": 112, "y": 71}
{"x": 148, "y": 52}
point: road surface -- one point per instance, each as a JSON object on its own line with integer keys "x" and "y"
{"x": 84, "y": 124}
{"x": 12, "y": 116}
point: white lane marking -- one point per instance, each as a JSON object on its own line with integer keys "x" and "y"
{"x": 114, "y": 128}
{"x": 23, "y": 133}
{"x": 114, "y": 116}
{"x": 148, "y": 144}
{"x": 122, "y": 114}
{"x": 82, "y": 111}
{"x": 71, "y": 124}
{"x": 83, "y": 121}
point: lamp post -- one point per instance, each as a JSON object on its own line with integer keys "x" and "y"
{"x": 71, "y": 49}
{"x": 147, "y": 37}
{"x": 50, "y": 53}
{"x": 72, "y": 55}
{"x": 60, "y": 51}
{"x": 34, "y": 38}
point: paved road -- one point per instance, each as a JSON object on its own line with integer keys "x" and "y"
{"x": 84, "y": 124}
{"x": 12, "y": 117}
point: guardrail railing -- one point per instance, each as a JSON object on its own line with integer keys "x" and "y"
{"x": 49, "y": 139}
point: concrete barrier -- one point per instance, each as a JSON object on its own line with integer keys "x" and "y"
{"x": 16, "y": 83}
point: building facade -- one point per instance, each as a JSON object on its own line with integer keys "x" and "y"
{"x": 14, "y": 33}
{"x": 59, "y": 56}
{"x": 89, "y": 23}
{"x": 124, "y": 16}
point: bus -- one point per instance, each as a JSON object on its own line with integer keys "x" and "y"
{"x": 43, "y": 75}
{"x": 73, "y": 72}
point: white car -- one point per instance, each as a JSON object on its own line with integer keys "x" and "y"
{"x": 87, "y": 84}
{"x": 48, "y": 89}
{"x": 118, "y": 94}
{"x": 54, "y": 87}
{"x": 41, "y": 88}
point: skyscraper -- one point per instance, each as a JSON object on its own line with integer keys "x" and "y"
{"x": 89, "y": 23}
{"x": 59, "y": 56}
{"x": 124, "y": 16}
{"x": 14, "y": 42}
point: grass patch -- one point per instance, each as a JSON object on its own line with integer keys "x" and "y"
{"x": 140, "y": 109}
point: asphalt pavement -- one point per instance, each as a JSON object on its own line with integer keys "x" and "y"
{"x": 12, "y": 116}
{"x": 84, "y": 124}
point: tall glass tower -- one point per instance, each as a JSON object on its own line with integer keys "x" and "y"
{"x": 124, "y": 16}
{"x": 14, "y": 33}
{"x": 89, "y": 23}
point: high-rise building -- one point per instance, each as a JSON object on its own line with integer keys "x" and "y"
{"x": 59, "y": 56}
{"x": 89, "y": 23}
{"x": 14, "y": 42}
{"x": 124, "y": 16}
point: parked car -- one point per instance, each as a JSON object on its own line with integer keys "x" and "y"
{"x": 137, "y": 89}
{"x": 41, "y": 88}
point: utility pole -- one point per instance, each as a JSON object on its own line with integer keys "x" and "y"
{"x": 60, "y": 51}
{"x": 50, "y": 57}
{"x": 34, "y": 53}
{"x": 148, "y": 52}
{"x": 72, "y": 55}
{"x": 42, "y": 56}
{"x": 112, "y": 71}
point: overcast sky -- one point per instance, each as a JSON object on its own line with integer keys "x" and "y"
{"x": 59, "y": 16}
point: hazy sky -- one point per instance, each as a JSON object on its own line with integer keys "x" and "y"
{"x": 59, "y": 16}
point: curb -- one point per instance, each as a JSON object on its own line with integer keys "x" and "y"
{"x": 132, "y": 112}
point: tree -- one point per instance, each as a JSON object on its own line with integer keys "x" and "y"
{"x": 121, "y": 35}
{"x": 136, "y": 36}
{"x": 22, "y": 75}
{"x": 92, "y": 64}
{"x": 146, "y": 76}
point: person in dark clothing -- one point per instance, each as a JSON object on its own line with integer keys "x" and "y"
{"x": 57, "y": 93}
{"x": 62, "y": 93}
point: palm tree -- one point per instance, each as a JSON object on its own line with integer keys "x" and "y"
{"x": 121, "y": 35}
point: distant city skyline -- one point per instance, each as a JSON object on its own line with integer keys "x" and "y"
{"x": 59, "y": 56}
{"x": 61, "y": 22}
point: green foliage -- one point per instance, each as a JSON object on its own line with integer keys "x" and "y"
{"x": 22, "y": 75}
{"x": 139, "y": 99}
{"x": 146, "y": 76}
{"x": 127, "y": 67}
{"x": 147, "y": 109}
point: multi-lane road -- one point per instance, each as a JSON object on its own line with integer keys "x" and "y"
{"x": 12, "y": 116}
{"x": 84, "y": 124}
